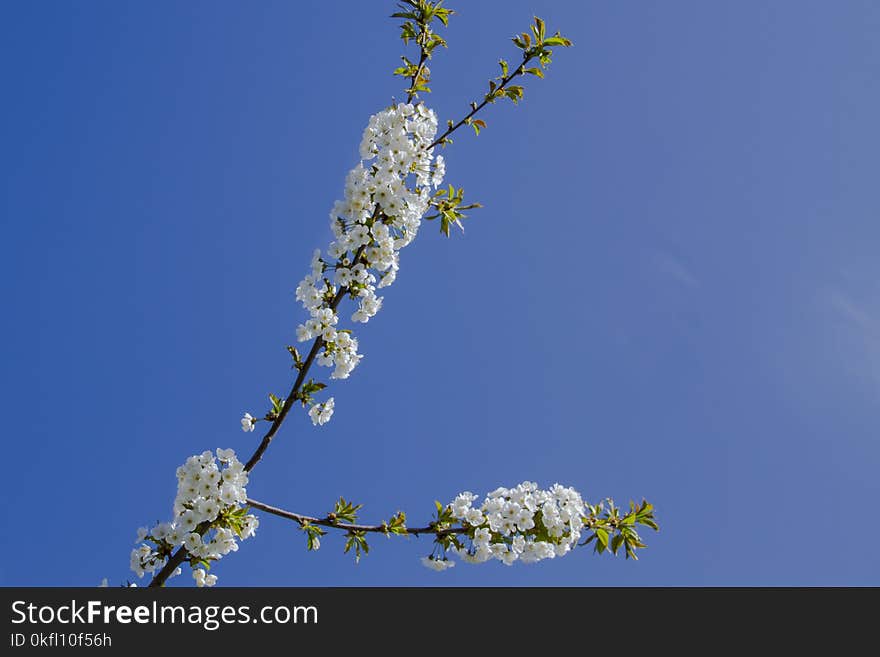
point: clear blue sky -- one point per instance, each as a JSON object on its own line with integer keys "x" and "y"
{"x": 673, "y": 290}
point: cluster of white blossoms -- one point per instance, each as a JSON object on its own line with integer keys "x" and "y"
{"x": 321, "y": 413}
{"x": 524, "y": 524}
{"x": 437, "y": 564}
{"x": 210, "y": 492}
{"x": 203, "y": 579}
{"x": 385, "y": 197}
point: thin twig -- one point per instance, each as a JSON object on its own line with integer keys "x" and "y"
{"x": 517, "y": 71}
{"x": 334, "y": 524}
{"x": 422, "y": 59}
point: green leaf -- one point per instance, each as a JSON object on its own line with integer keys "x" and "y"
{"x": 277, "y": 404}
{"x": 557, "y": 41}
{"x": 357, "y": 540}
{"x": 396, "y": 525}
{"x": 344, "y": 510}
{"x": 297, "y": 359}
{"x": 443, "y": 14}
{"x": 541, "y": 29}
{"x": 436, "y": 40}
{"x": 407, "y": 32}
{"x": 514, "y": 92}
{"x": 313, "y": 535}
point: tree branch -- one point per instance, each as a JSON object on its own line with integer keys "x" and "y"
{"x": 422, "y": 59}
{"x": 504, "y": 82}
{"x": 179, "y": 556}
{"x": 333, "y": 524}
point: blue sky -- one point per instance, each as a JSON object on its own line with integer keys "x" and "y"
{"x": 672, "y": 292}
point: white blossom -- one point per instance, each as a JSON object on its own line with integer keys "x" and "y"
{"x": 437, "y": 564}
{"x": 321, "y": 413}
{"x": 439, "y": 171}
{"x": 203, "y": 579}
{"x": 208, "y": 488}
{"x": 384, "y": 198}
{"x": 513, "y": 524}
{"x": 226, "y": 455}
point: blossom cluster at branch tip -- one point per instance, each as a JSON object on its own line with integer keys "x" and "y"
{"x": 524, "y": 523}
{"x": 385, "y": 197}
{"x": 208, "y": 517}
